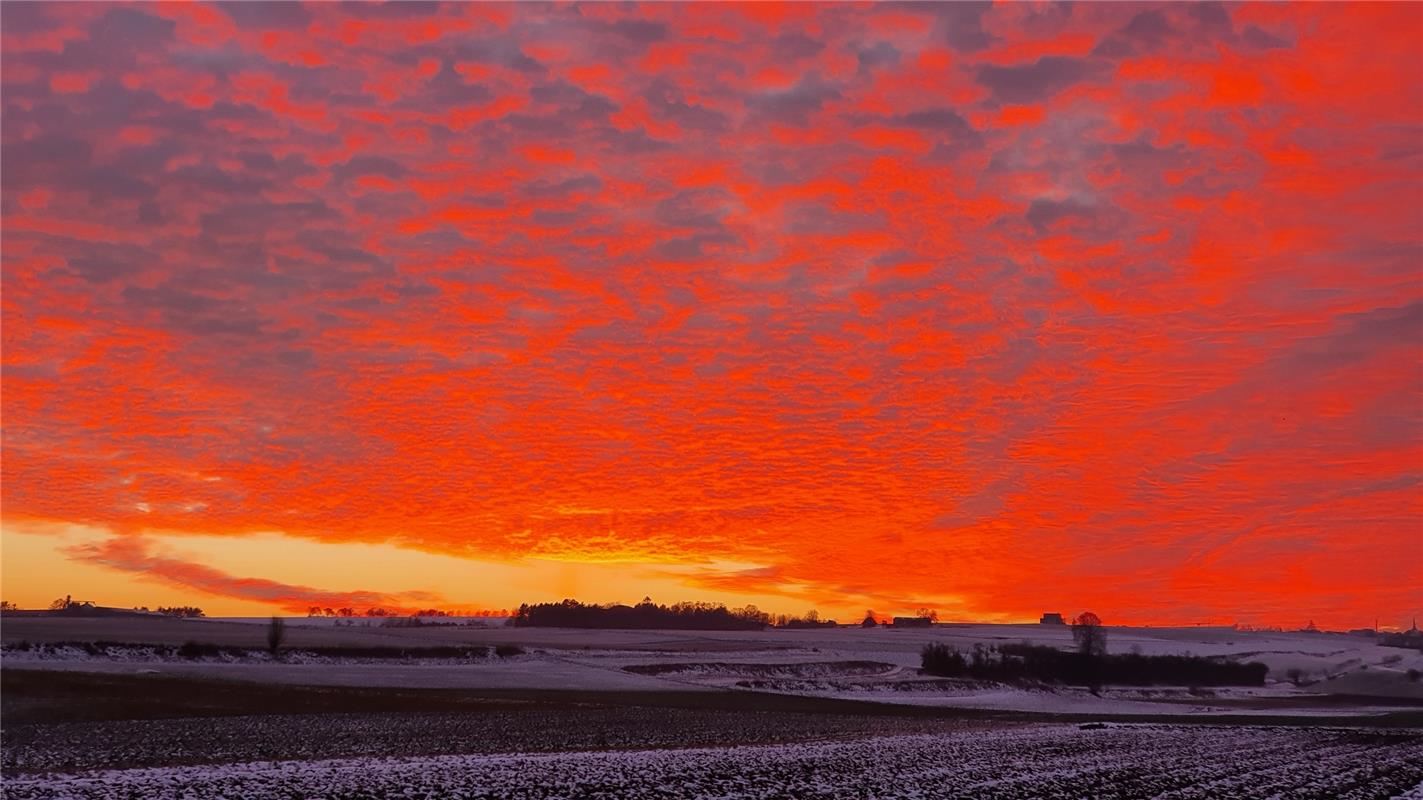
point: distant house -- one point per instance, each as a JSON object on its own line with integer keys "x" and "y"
{"x": 1051, "y": 618}
{"x": 87, "y": 608}
{"x": 912, "y": 622}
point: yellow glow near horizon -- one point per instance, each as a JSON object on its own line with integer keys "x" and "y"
{"x": 36, "y": 569}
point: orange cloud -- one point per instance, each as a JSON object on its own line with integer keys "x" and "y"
{"x": 1015, "y": 306}
{"x": 133, "y": 554}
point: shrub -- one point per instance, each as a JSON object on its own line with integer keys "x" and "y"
{"x": 508, "y": 650}
{"x": 941, "y": 659}
{"x": 192, "y": 649}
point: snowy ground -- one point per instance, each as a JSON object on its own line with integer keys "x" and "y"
{"x": 1056, "y": 761}
{"x": 107, "y": 744}
{"x": 534, "y": 672}
{"x": 877, "y": 664}
{"x": 583, "y": 713}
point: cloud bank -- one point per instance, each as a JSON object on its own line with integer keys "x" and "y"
{"x": 1065, "y": 306}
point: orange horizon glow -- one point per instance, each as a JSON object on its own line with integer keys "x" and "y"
{"x": 994, "y": 309}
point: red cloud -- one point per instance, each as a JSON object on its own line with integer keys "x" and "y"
{"x": 132, "y": 554}
{"x": 1073, "y": 306}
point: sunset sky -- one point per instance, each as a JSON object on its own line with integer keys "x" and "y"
{"x": 995, "y": 310}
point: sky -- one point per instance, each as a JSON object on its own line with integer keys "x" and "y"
{"x": 990, "y": 309}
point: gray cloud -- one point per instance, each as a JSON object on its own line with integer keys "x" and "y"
{"x": 794, "y": 105}
{"x": 1145, "y": 32}
{"x": 796, "y": 45}
{"x": 272, "y": 14}
{"x": 1259, "y": 39}
{"x": 1038, "y": 81}
{"x": 880, "y": 54}
{"x": 358, "y": 166}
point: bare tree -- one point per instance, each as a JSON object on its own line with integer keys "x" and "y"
{"x": 927, "y": 613}
{"x": 1091, "y": 638}
{"x": 276, "y": 632}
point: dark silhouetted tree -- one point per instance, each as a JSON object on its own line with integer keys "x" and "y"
{"x": 1091, "y": 638}
{"x": 870, "y": 620}
{"x": 276, "y": 632}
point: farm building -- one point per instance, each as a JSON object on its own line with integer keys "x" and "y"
{"x": 912, "y": 622}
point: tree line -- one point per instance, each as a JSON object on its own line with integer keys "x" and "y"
{"x": 186, "y": 612}
{"x": 644, "y": 615}
{"x": 1011, "y": 663}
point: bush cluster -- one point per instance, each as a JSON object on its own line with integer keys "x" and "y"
{"x": 1026, "y": 662}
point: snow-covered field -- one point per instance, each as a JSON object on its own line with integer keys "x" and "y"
{"x": 45, "y": 653}
{"x": 1049, "y": 761}
{"x": 530, "y": 673}
{"x": 875, "y": 664}
{"x": 105, "y": 744}
{"x": 512, "y": 730}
